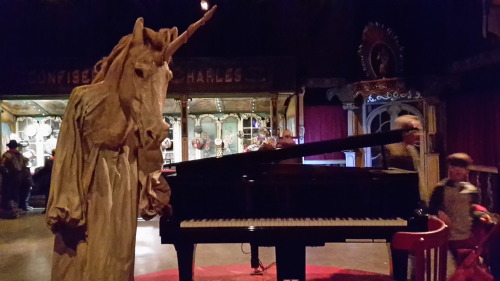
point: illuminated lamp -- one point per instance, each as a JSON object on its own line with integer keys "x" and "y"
{"x": 204, "y": 5}
{"x": 45, "y": 130}
{"x": 31, "y": 130}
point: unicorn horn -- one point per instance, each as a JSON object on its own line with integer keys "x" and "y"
{"x": 172, "y": 47}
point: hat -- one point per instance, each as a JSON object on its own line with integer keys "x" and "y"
{"x": 459, "y": 160}
{"x": 13, "y": 144}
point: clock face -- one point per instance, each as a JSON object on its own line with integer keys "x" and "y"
{"x": 218, "y": 141}
{"x": 381, "y": 55}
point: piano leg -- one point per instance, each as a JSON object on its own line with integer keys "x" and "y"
{"x": 254, "y": 256}
{"x": 291, "y": 262}
{"x": 185, "y": 260}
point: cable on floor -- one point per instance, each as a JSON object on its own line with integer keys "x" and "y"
{"x": 258, "y": 270}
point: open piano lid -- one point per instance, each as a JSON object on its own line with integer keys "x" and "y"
{"x": 242, "y": 160}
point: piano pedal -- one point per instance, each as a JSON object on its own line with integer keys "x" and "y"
{"x": 257, "y": 271}
{"x": 260, "y": 270}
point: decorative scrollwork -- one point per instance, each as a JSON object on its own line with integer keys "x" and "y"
{"x": 391, "y": 89}
{"x": 349, "y": 106}
{"x": 394, "y": 96}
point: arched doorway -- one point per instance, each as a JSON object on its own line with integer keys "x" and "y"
{"x": 381, "y": 119}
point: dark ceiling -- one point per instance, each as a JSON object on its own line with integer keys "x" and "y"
{"x": 323, "y": 35}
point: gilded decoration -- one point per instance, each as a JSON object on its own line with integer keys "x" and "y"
{"x": 392, "y": 89}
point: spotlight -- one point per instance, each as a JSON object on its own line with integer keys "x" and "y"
{"x": 204, "y": 5}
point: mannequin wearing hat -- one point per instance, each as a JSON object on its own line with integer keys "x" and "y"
{"x": 455, "y": 200}
{"x": 13, "y": 144}
{"x": 16, "y": 178}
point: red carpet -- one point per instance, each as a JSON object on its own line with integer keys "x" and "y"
{"x": 242, "y": 273}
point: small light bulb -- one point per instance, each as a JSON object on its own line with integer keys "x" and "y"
{"x": 204, "y": 5}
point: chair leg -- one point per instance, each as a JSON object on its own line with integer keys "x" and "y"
{"x": 399, "y": 259}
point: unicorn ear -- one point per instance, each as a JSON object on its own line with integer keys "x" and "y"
{"x": 137, "y": 34}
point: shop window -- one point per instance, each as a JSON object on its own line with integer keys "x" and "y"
{"x": 255, "y": 131}
{"x": 208, "y": 135}
{"x": 27, "y": 128}
{"x": 167, "y": 146}
{"x": 230, "y": 135}
{"x": 39, "y": 138}
{"x": 191, "y": 134}
{"x": 49, "y": 128}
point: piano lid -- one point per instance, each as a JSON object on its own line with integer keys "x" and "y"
{"x": 242, "y": 160}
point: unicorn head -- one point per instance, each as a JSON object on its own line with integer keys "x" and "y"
{"x": 137, "y": 70}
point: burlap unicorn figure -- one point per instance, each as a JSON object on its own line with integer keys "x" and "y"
{"x": 107, "y": 169}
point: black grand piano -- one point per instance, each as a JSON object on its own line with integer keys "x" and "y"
{"x": 252, "y": 198}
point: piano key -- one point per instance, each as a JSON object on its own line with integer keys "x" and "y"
{"x": 293, "y": 222}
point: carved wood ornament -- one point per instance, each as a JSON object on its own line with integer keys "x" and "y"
{"x": 380, "y": 52}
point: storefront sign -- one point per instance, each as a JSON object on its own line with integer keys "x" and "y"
{"x": 209, "y": 75}
{"x": 194, "y": 76}
{"x": 74, "y": 77}
{"x": 204, "y": 76}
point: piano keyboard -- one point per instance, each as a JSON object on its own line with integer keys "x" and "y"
{"x": 292, "y": 222}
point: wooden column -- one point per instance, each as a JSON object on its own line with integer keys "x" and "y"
{"x": 301, "y": 115}
{"x": 184, "y": 127}
{"x": 352, "y": 119}
{"x": 352, "y": 128}
{"x": 355, "y": 128}
{"x": 274, "y": 114}
{"x": 430, "y": 163}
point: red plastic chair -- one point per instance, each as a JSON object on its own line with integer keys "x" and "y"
{"x": 430, "y": 250}
{"x": 470, "y": 266}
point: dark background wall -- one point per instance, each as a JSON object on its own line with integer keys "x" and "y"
{"x": 323, "y": 35}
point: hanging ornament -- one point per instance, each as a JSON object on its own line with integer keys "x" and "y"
{"x": 198, "y": 143}
{"x": 166, "y": 144}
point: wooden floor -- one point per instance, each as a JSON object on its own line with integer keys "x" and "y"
{"x": 26, "y": 251}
